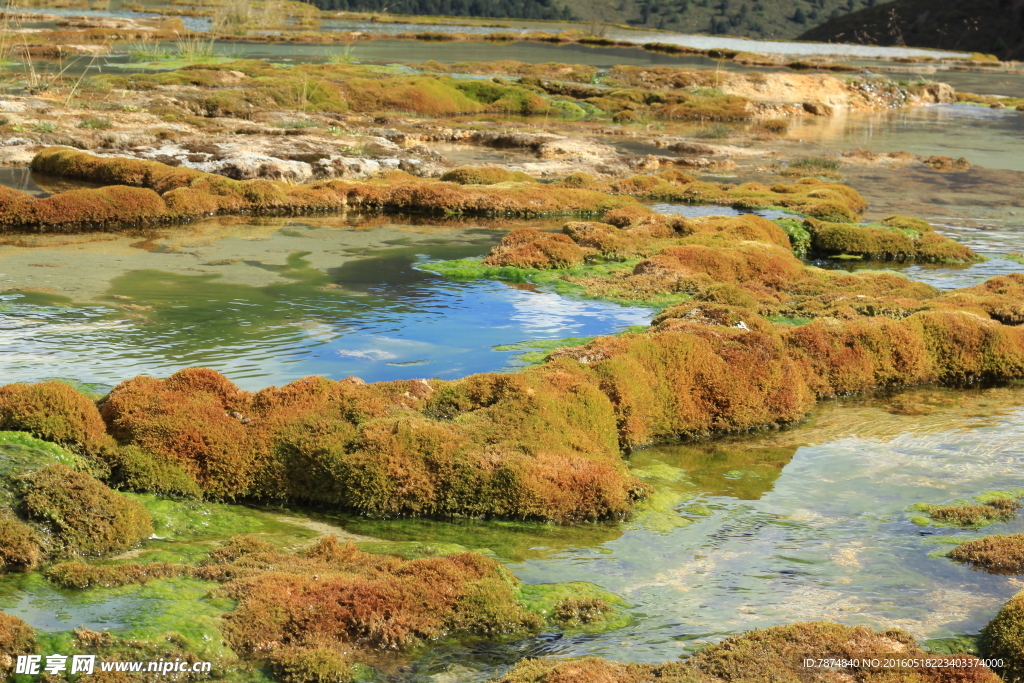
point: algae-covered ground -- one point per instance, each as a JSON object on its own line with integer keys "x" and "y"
{"x": 426, "y": 369}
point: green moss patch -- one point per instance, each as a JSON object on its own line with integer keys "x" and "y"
{"x": 985, "y": 509}
{"x": 576, "y": 606}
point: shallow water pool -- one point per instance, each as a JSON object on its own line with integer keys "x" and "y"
{"x": 273, "y": 303}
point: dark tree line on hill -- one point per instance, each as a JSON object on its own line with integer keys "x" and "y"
{"x": 507, "y": 9}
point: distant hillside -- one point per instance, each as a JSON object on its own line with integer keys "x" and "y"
{"x": 514, "y": 9}
{"x": 750, "y": 18}
{"x": 989, "y": 26}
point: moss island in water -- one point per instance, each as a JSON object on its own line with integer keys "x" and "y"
{"x": 149, "y": 192}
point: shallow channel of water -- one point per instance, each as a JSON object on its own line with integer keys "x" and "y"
{"x": 986, "y": 137}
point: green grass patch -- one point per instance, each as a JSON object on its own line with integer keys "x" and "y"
{"x": 546, "y": 599}
{"x": 783, "y": 320}
{"x": 816, "y": 164}
{"x": 799, "y": 236}
{"x": 1016, "y": 256}
{"x": 536, "y": 350}
{"x": 557, "y": 280}
{"x": 186, "y": 530}
{"x": 96, "y": 123}
{"x": 985, "y": 509}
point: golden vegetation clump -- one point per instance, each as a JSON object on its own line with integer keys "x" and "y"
{"x": 53, "y": 411}
{"x": 529, "y": 248}
{"x": 995, "y": 554}
{"x": 185, "y": 420}
{"x": 485, "y": 175}
{"x": 362, "y": 601}
{"x": 1001, "y": 509}
{"x": 1003, "y": 638}
{"x": 483, "y": 445}
{"x": 1000, "y": 298}
{"x": 319, "y": 615}
{"x": 16, "y": 638}
{"x": 83, "y": 516}
{"x": 19, "y": 546}
{"x": 897, "y": 238}
{"x": 148, "y": 192}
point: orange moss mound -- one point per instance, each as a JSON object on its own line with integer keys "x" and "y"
{"x": 83, "y": 515}
{"x": 53, "y": 411}
{"x": 996, "y": 554}
{"x": 16, "y": 638}
{"x": 1001, "y": 298}
{"x": 157, "y": 193}
{"x": 369, "y": 602}
{"x": 186, "y": 420}
{"x": 479, "y": 446}
{"x": 316, "y": 616}
{"x": 901, "y": 239}
{"x": 485, "y": 175}
{"x": 19, "y": 547}
{"x": 529, "y": 248}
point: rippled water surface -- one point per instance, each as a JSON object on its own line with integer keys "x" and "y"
{"x": 985, "y": 137}
{"x": 267, "y": 305}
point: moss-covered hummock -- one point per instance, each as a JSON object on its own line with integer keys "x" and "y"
{"x": 19, "y": 546}
{"x": 82, "y": 515}
{"x": 987, "y": 508}
{"x": 149, "y": 192}
{"x": 16, "y": 638}
{"x": 332, "y": 611}
{"x": 897, "y": 238}
{"x": 485, "y": 175}
{"x": 1003, "y": 638}
{"x": 996, "y": 554}
{"x": 53, "y": 411}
